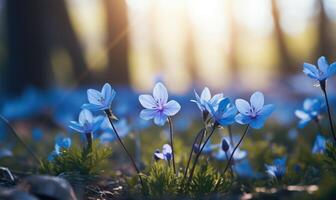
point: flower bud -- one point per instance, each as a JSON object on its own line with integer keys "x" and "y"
{"x": 225, "y": 145}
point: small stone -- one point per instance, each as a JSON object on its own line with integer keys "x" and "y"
{"x": 15, "y": 194}
{"x": 48, "y": 187}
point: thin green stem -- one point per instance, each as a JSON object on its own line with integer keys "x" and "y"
{"x": 230, "y": 135}
{"x": 199, "y": 153}
{"x": 171, "y": 141}
{"x": 192, "y": 150}
{"x": 89, "y": 142}
{"x": 110, "y": 117}
{"x": 329, "y": 112}
{"x": 13, "y": 131}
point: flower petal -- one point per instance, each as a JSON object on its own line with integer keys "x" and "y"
{"x": 160, "y": 93}
{"x": 311, "y": 70}
{"x": 160, "y": 119}
{"x": 92, "y": 107}
{"x": 332, "y": 69}
{"x": 302, "y": 115}
{"x": 77, "y": 127}
{"x": 147, "y": 101}
{"x": 148, "y": 114}
{"x": 267, "y": 110}
{"x": 106, "y": 91}
{"x": 242, "y": 119}
{"x": 159, "y": 156}
{"x": 258, "y": 122}
{"x": 257, "y": 101}
{"x": 206, "y": 95}
{"x": 85, "y": 116}
{"x": 171, "y": 108}
{"x": 223, "y": 106}
{"x": 243, "y": 106}
{"x": 166, "y": 149}
{"x": 323, "y": 64}
{"x": 94, "y": 96}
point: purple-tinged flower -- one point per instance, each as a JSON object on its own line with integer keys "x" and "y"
{"x": 224, "y": 114}
{"x": 319, "y": 145}
{"x": 205, "y": 99}
{"x": 311, "y": 111}
{"x": 86, "y": 122}
{"x": 277, "y": 169}
{"x": 158, "y": 107}
{"x": 166, "y": 153}
{"x": 322, "y": 72}
{"x": 254, "y": 113}
{"x": 100, "y": 100}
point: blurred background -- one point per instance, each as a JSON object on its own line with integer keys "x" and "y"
{"x": 185, "y": 43}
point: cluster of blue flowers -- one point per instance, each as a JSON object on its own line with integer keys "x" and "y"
{"x": 97, "y": 120}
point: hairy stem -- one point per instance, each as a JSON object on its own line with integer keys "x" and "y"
{"x": 13, "y": 131}
{"x": 171, "y": 141}
{"x": 110, "y": 117}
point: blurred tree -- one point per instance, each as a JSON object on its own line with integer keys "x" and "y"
{"x": 34, "y": 29}
{"x": 324, "y": 44}
{"x": 117, "y": 27}
{"x": 286, "y": 64}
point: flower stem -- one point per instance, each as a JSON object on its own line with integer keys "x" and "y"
{"x": 323, "y": 87}
{"x": 170, "y": 122}
{"x": 199, "y": 153}
{"x": 231, "y": 156}
{"x": 110, "y": 117}
{"x": 201, "y": 132}
{"x": 230, "y": 135}
{"x": 89, "y": 142}
{"x": 20, "y": 140}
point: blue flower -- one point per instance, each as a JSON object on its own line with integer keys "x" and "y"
{"x": 108, "y": 134}
{"x": 244, "y": 169}
{"x": 322, "y": 72}
{"x": 205, "y": 99}
{"x": 277, "y": 169}
{"x": 166, "y": 153}
{"x": 311, "y": 111}
{"x": 157, "y": 106}
{"x": 86, "y": 122}
{"x": 60, "y": 143}
{"x": 225, "y": 113}
{"x": 254, "y": 113}
{"x": 319, "y": 145}
{"x": 100, "y": 100}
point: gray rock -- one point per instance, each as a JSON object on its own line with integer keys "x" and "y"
{"x": 48, "y": 187}
{"x": 15, "y": 194}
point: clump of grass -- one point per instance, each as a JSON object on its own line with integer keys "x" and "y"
{"x": 160, "y": 182}
{"x": 76, "y": 159}
{"x": 329, "y": 158}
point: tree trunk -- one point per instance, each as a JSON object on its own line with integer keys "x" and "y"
{"x": 117, "y": 26}
{"x": 286, "y": 65}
